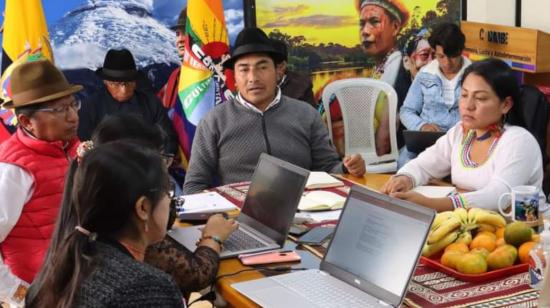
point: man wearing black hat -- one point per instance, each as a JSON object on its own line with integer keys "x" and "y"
{"x": 229, "y": 140}
{"x": 33, "y": 163}
{"x": 120, "y": 95}
{"x": 169, "y": 93}
{"x": 291, "y": 83}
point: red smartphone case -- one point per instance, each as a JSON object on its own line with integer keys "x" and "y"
{"x": 270, "y": 257}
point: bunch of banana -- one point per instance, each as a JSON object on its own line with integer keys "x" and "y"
{"x": 456, "y": 226}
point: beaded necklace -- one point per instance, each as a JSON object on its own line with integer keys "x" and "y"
{"x": 467, "y": 146}
{"x": 485, "y": 136}
{"x": 379, "y": 68}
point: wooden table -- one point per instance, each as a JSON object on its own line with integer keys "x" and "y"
{"x": 236, "y": 299}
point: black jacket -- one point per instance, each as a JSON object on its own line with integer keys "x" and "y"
{"x": 299, "y": 87}
{"x": 145, "y": 104}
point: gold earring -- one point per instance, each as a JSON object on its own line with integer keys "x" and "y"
{"x": 146, "y": 229}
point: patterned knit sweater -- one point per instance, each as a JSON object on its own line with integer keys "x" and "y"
{"x": 230, "y": 139}
{"x": 121, "y": 281}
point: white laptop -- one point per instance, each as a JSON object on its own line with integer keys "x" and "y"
{"x": 369, "y": 262}
{"x": 267, "y": 213}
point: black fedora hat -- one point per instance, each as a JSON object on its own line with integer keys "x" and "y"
{"x": 119, "y": 65}
{"x": 182, "y": 20}
{"x": 252, "y": 40}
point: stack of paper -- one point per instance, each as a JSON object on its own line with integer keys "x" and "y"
{"x": 312, "y": 217}
{"x": 208, "y": 202}
{"x": 321, "y": 200}
{"x": 320, "y": 179}
{"x": 435, "y": 191}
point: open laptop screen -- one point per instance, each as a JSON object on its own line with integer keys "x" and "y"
{"x": 273, "y": 196}
{"x": 378, "y": 240}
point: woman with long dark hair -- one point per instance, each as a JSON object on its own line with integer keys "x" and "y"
{"x": 192, "y": 271}
{"x": 486, "y": 153}
{"x": 118, "y": 203}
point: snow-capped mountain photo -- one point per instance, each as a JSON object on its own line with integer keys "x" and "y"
{"x": 81, "y": 38}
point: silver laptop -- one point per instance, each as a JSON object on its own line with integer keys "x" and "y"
{"x": 369, "y": 262}
{"x": 267, "y": 213}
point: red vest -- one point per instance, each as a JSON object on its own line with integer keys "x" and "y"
{"x": 24, "y": 248}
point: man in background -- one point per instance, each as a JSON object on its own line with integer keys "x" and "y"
{"x": 380, "y": 21}
{"x": 120, "y": 95}
{"x": 169, "y": 93}
{"x": 292, "y": 84}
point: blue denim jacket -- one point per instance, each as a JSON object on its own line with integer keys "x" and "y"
{"x": 424, "y": 102}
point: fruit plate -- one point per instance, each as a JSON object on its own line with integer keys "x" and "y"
{"x": 491, "y": 275}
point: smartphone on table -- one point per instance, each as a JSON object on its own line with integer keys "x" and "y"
{"x": 316, "y": 236}
{"x": 268, "y": 257}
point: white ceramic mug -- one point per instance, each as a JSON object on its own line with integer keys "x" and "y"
{"x": 526, "y": 203}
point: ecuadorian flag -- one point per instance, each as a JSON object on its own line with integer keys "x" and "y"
{"x": 203, "y": 82}
{"x": 25, "y": 38}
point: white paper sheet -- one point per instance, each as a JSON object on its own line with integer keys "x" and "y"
{"x": 208, "y": 202}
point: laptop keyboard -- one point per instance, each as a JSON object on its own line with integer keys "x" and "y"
{"x": 320, "y": 290}
{"x": 240, "y": 240}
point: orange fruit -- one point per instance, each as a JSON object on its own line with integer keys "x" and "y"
{"x": 471, "y": 263}
{"x": 503, "y": 256}
{"x": 457, "y": 246}
{"x": 481, "y": 251}
{"x": 500, "y": 232}
{"x": 491, "y": 234}
{"x": 500, "y": 242}
{"x": 523, "y": 251}
{"x": 451, "y": 257}
{"x": 484, "y": 241}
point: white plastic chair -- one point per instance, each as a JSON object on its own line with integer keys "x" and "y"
{"x": 357, "y": 97}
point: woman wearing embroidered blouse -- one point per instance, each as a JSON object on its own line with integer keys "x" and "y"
{"x": 118, "y": 202}
{"x": 486, "y": 153}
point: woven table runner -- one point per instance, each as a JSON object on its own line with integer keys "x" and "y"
{"x": 236, "y": 192}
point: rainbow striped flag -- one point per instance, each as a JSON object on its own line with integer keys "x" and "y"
{"x": 25, "y": 38}
{"x": 203, "y": 83}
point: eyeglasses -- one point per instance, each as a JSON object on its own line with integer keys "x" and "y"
{"x": 121, "y": 84}
{"x": 75, "y": 105}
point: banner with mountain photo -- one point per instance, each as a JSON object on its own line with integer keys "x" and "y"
{"x": 332, "y": 40}
{"x": 25, "y": 38}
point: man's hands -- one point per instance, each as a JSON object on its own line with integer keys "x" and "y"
{"x": 355, "y": 165}
{"x": 429, "y": 127}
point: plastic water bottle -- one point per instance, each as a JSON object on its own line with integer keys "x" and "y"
{"x": 538, "y": 257}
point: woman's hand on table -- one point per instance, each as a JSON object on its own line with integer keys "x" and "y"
{"x": 219, "y": 226}
{"x": 412, "y": 196}
{"x": 216, "y": 231}
{"x": 399, "y": 183}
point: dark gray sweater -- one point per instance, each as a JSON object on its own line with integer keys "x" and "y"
{"x": 121, "y": 281}
{"x": 230, "y": 139}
